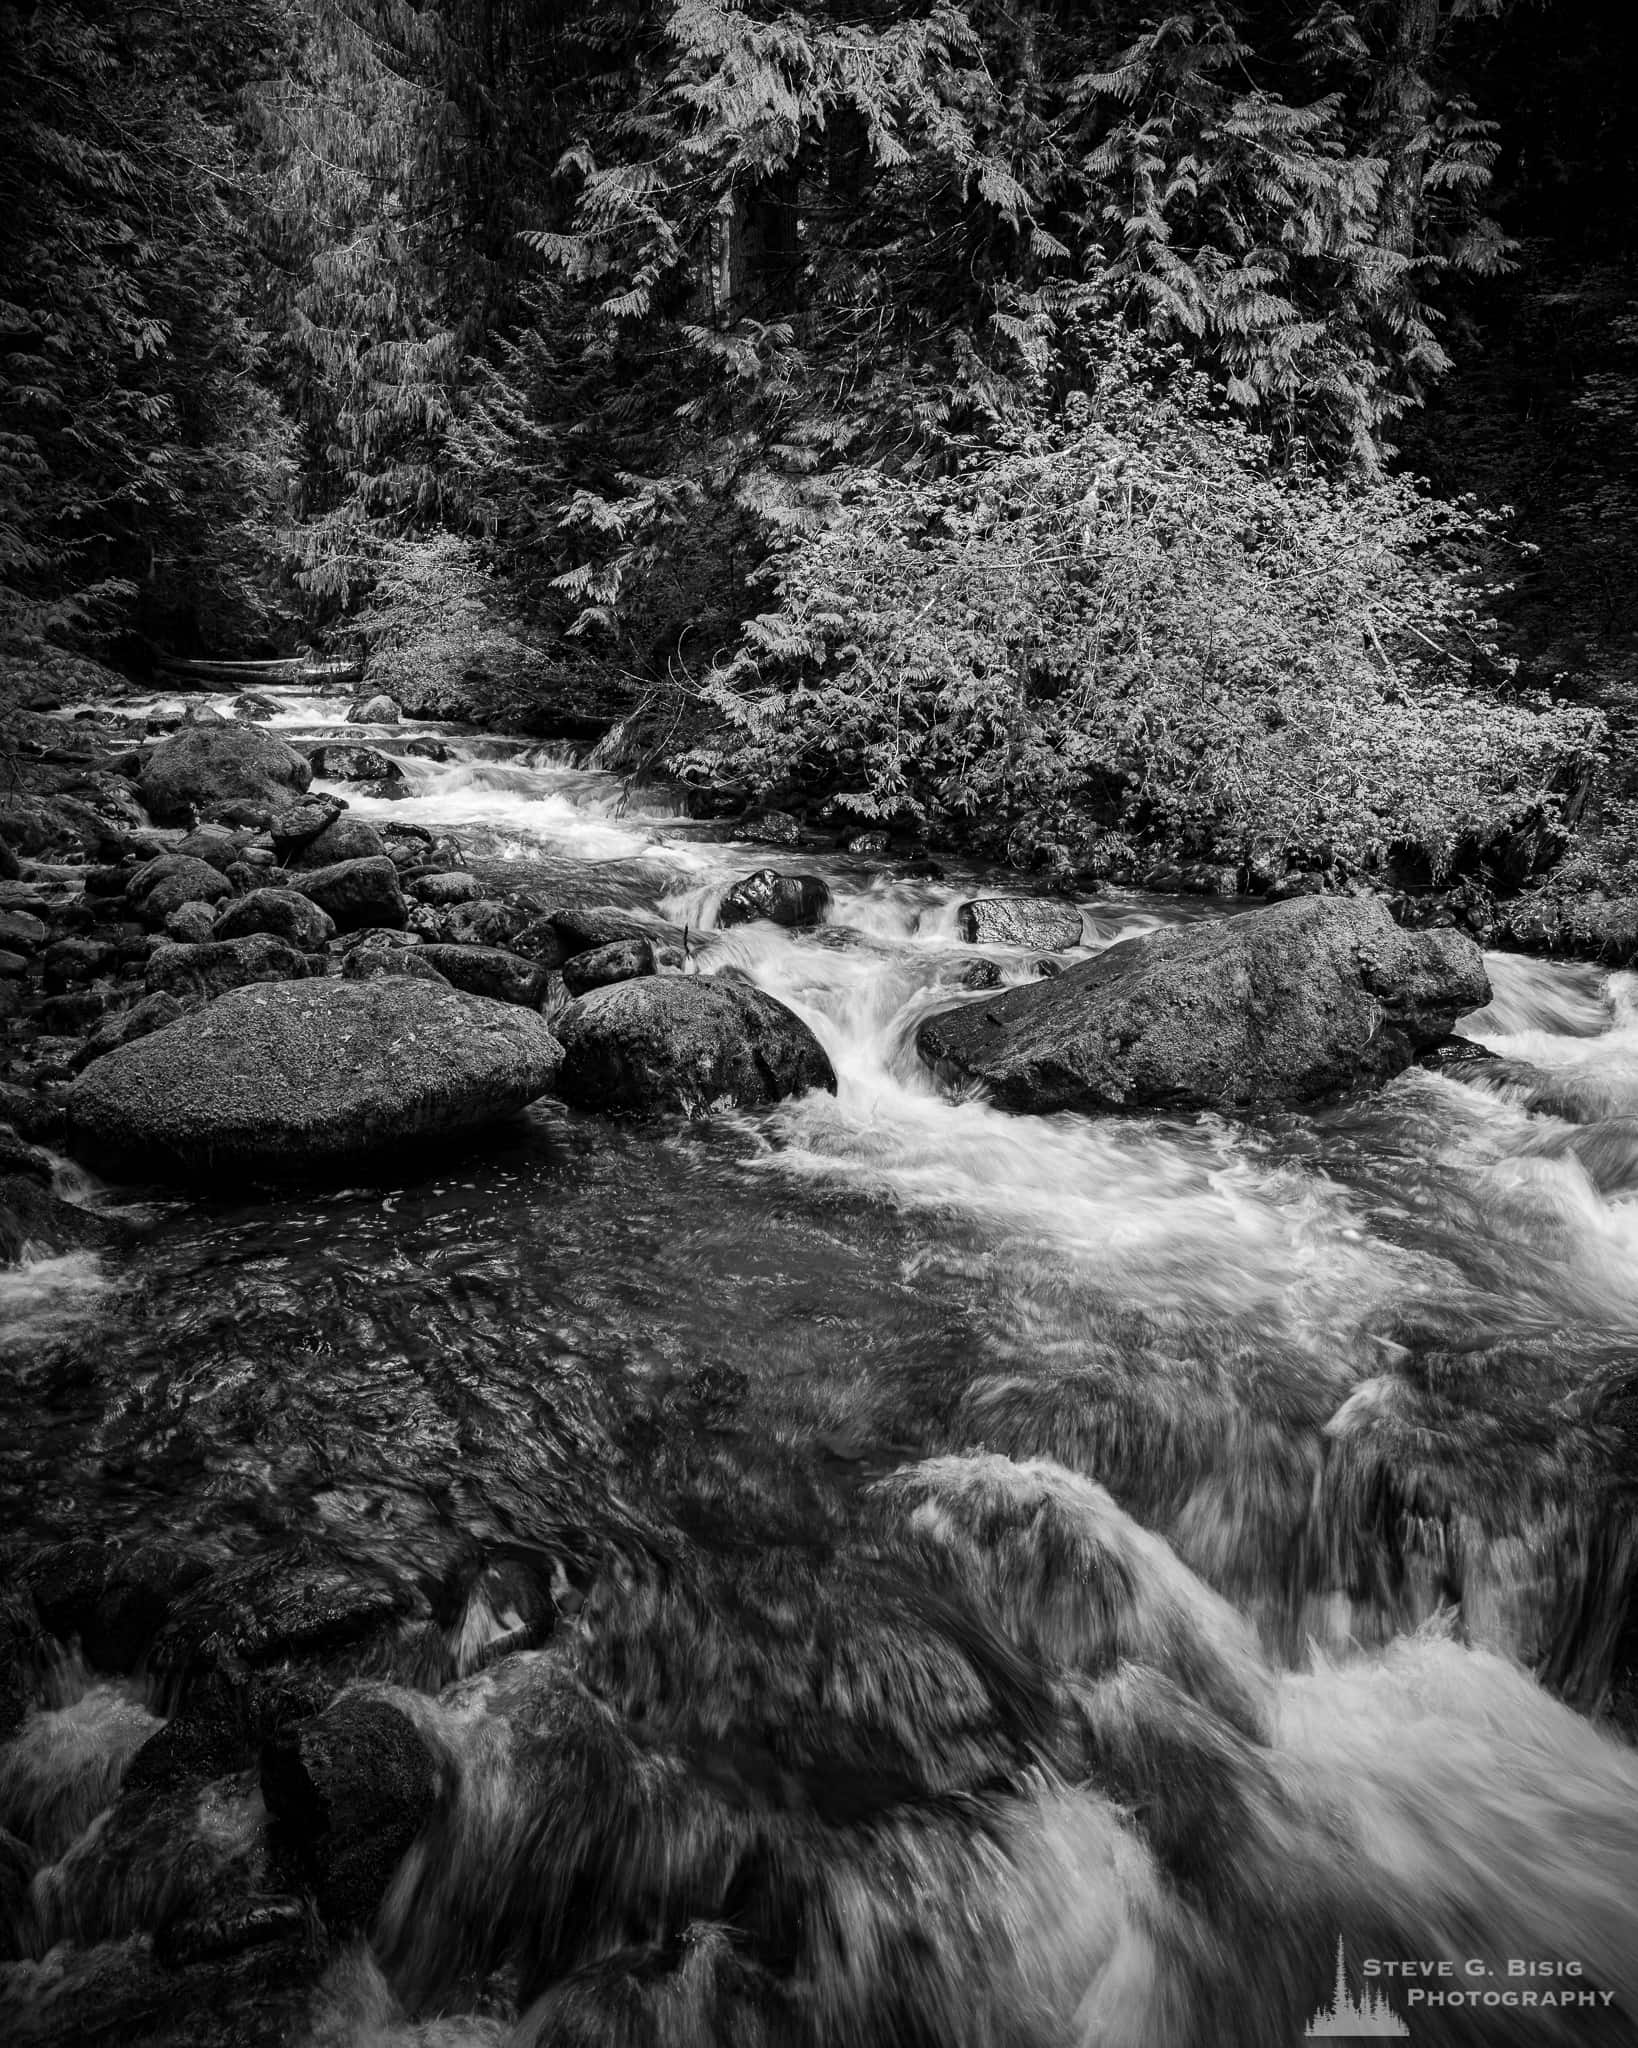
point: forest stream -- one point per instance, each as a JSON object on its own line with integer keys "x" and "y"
{"x": 878, "y": 1569}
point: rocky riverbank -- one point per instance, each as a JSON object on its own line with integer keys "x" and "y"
{"x": 163, "y": 870}
{"x": 420, "y": 1566}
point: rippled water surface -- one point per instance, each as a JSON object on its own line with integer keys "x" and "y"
{"x": 1032, "y": 1580}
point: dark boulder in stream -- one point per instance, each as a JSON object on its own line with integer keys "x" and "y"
{"x": 349, "y": 1791}
{"x": 1283, "y": 1005}
{"x": 339, "y": 762}
{"x": 773, "y": 898}
{"x": 215, "y": 761}
{"x": 664, "y": 1043}
{"x": 303, "y": 1073}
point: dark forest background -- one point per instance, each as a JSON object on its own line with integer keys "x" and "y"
{"x": 1067, "y": 427}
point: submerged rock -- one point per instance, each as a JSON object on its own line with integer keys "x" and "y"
{"x": 657, "y": 1044}
{"x": 349, "y": 1791}
{"x": 214, "y": 762}
{"x": 1019, "y": 921}
{"x": 774, "y": 898}
{"x": 35, "y": 1223}
{"x": 303, "y": 1073}
{"x": 1282, "y": 1005}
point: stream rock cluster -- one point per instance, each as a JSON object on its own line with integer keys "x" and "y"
{"x": 235, "y": 974}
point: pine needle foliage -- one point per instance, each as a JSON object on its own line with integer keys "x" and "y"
{"x": 142, "y": 457}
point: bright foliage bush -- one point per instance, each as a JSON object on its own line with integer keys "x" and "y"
{"x": 1134, "y": 616}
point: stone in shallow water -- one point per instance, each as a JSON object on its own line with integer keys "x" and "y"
{"x": 1282, "y": 1005}
{"x": 663, "y": 1044}
{"x": 304, "y": 1073}
{"x": 377, "y": 710}
{"x": 768, "y": 896}
{"x": 351, "y": 1790}
{"x": 342, "y": 763}
{"x": 1019, "y": 921}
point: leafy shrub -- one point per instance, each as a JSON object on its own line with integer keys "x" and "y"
{"x": 443, "y": 641}
{"x": 1134, "y": 616}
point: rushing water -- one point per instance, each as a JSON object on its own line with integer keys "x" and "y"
{"x": 1020, "y": 1581}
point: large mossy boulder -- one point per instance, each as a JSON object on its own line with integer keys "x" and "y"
{"x": 662, "y": 1043}
{"x": 305, "y": 1073}
{"x": 1284, "y": 1005}
{"x": 216, "y": 762}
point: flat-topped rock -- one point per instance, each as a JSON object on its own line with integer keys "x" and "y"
{"x": 1283, "y": 1005}
{"x": 1020, "y": 921}
{"x": 303, "y": 1074}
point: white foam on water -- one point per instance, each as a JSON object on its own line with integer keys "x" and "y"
{"x": 47, "y": 1297}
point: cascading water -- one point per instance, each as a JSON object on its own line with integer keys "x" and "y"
{"x": 1018, "y": 1580}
